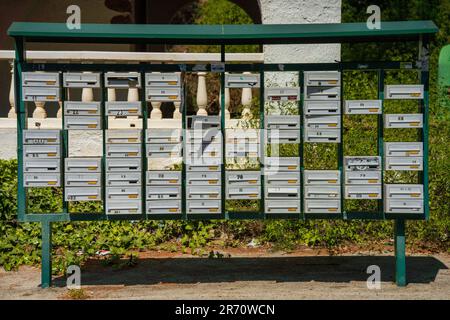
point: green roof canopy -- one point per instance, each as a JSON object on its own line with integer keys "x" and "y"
{"x": 222, "y": 34}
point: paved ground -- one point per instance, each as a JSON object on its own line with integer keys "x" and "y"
{"x": 247, "y": 274}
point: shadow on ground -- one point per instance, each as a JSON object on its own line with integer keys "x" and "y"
{"x": 177, "y": 270}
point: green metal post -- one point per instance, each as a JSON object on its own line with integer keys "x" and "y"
{"x": 183, "y": 107}
{"x": 222, "y": 128}
{"x": 340, "y": 146}
{"x": 65, "y": 144}
{"x": 262, "y": 146}
{"x": 143, "y": 97}
{"x": 380, "y": 129}
{"x": 400, "y": 257}
{"x": 301, "y": 152}
{"x": 104, "y": 121}
{"x": 46, "y": 263}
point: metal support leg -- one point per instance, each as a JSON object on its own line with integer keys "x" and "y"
{"x": 400, "y": 257}
{"x": 46, "y": 271}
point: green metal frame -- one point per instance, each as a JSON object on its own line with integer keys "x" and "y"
{"x": 34, "y": 32}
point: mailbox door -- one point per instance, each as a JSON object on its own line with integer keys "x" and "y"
{"x": 363, "y": 192}
{"x": 122, "y": 80}
{"x": 203, "y": 178}
{"x": 243, "y": 192}
{"x": 82, "y": 194}
{"x": 242, "y": 135}
{"x": 282, "y": 192}
{"x": 323, "y": 135}
{"x": 82, "y": 180}
{"x": 163, "y": 192}
{"x": 163, "y": 79}
{"x": 123, "y": 108}
{"x": 123, "y": 179}
{"x": 370, "y": 163}
{"x": 322, "y": 107}
{"x": 40, "y": 79}
{"x": 123, "y": 207}
{"x": 403, "y": 149}
{"x": 203, "y": 206}
{"x": 81, "y": 80}
{"x": 243, "y": 178}
{"x": 164, "y": 178}
{"x": 282, "y": 206}
{"x": 203, "y": 136}
{"x": 203, "y": 192}
{"x": 322, "y": 192}
{"x": 123, "y": 150}
{"x": 163, "y": 135}
{"x": 403, "y": 191}
{"x": 75, "y": 108}
{"x": 83, "y": 165}
{"x": 282, "y": 164}
{"x": 322, "y": 206}
{"x": 123, "y": 193}
{"x": 42, "y": 179}
{"x": 235, "y": 150}
{"x": 403, "y": 206}
{"x": 123, "y": 136}
{"x": 362, "y": 177}
{"x": 241, "y": 80}
{"x": 43, "y": 94}
{"x": 323, "y": 93}
{"x": 204, "y": 150}
{"x": 165, "y": 94}
{"x": 363, "y": 106}
{"x": 282, "y": 94}
{"x": 322, "y": 177}
{"x": 163, "y": 206}
{"x": 42, "y": 166}
{"x": 282, "y": 122}
{"x": 322, "y": 122}
{"x": 283, "y": 136}
{"x": 204, "y": 123}
{"x": 404, "y": 91}
{"x": 82, "y": 123}
{"x": 403, "y": 120}
{"x": 41, "y": 136}
{"x": 164, "y": 150}
{"x": 282, "y": 178}
{"x": 404, "y": 163}
{"x": 322, "y": 78}
{"x": 41, "y": 151}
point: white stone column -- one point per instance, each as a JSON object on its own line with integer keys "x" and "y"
{"x": 227, "y": 103}
{"x": 87, "y": 95}
{"x": 246, "y": 100}
{"x": 59, "y": 113}
{"x": 12, "y": 102}
{"x": 156, "y": 111}
{"x": 39, "y": 112}
{"x": 133, "y": 95}
{"x": 111, "y": 94}
{"x": 202, "y": 94}
{"x": 176, "y": 112}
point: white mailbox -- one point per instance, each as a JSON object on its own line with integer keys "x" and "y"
{"x": 43, "y": 94}
{"x": 275, "y": 178}
{"x": 243, "y": 192}
{"x": 123, "y": 136}
{"x": 243, "y": 178}
{"x": 362, "y": 177}
{"x": 282, "y": 164}
{"x": 163, "y": 178}
{"x": 404, "y": 91}
{"x": 403, "y": 120}
{"x": 163, "y": 192}
{"x": 282, "y": 94}
{"x": 203, "y": 206}
{"x": 82, "y": 123}
{"x": 363, "y": 106}
{"x": 204, "y": 149}
{"x": 322, "y": 107}
{"x": 123, "y": 150}
{"x": 323, "y": 93}
{"x": 42, "y": 179}
{"x": 42, "y": 166}
{"x": 282, "y": 192}
{"x": 203, "y": 164}
{"x": 363, "y": 192}
{"x": 204, "y": 122}
{"x": 323, "y": 135}
{"x": 322, "y": 78}
{"x": 203, "y": 192}
{"x": 403, "y": 191}
{"x": 166, "y": 94}
{"x": 322, "y": 122}
{"x": 204, "y": 178}
{"x": 163, "y": 79}
{"x": 164, "y": 150}
{"x": 360, "y": 163}
{"x": 322, "y": 206}
{"x": 82, "y": 194}
{"x": 123, "y": 207}
{"x": 203, "y": 136}
{"x": 81, "y": 80}
{"x": 157, "y": 135}
{"x": 322, "y": 192}
{"x": 123, "y": 108}
{"x": 282, "y": 206}
{"x": 323, "y": 177}
{"x": 234, "y": 80}
{"x": 123, "y": 193}
{"x": 82, "y": 180}
{"x": 283, "y": 136}
{"x": 83, "y": 165}
{"x": 403, "y": 206}
{"x": 123, "y": 179}
{"x": 404, "y": 163}
{"x": 403, "y": 149}
{"x": 122, "y": 80}
{"x": 242, "y": 135}
{"x": 41, "y": 136}
{"x": 236, "y": 150}
{"x": 40, "y": 79}
{"x": 163, "y": 206}
{"x": 282, "y": 122}
{"x": 41, "y": 151}
{"x": 76, "y": 108}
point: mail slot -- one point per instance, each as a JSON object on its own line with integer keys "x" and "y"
{"x": 83, "y": 180}
{"x": 404, "y": 91}
{"x": 203, "y": 122}
{"x": 41, "y": 136}
{"x": 40, "y": 79}
{"x": 163, "y": 135}
{"x": 163, "y": 192}
{"x": 322, "y": 192}
{"x": 82, "y": 123}
{"x": 123, "y": 108}
{"x": 123, "y": 207}
{"x": 282, "y": 122}
{"x": 164, "y": 177}
{"x": 369, "y": 163}
{"x": 403, "y": 120}
{"x": 283, "y": 136}
{"x": 163, "y": 206}
{"x": 204, "y": 149}
{"x": 323, "y": 135}
{"x": 322, "y": 78}
{"x": 363, "y": 192}
{"x": 42, "y": 179}
{"x": 123, "y": 136}
{"x": 75, "y": 108}
{"x": 166, "y": 94}
{"x": 83, "y": 164}
{"x": 123, "y": 150}
{"x": 322, "y": 107}
{"x": 42, "y": 151}
{"x": 403, "y": 149}
{"x": 242, "y": 135}
{"x": 282, "y": 164}
{"x": 199, "y": 136}
{"x": 164, "y": 150}
{"x": 123, "y": 179}
{"x": 322, "y": 122}
{"x": 323, "y": 93}
{"x": 241, "y": 80}
{"x": 403, "y": 191}
{"x": 203, "y": 206}
{"x": 403, "y": 206}
{"x": 203, "y": 164}
{"x": 275, "y": 178}
{"x": 404, "y": 163}
{"x": 243, "y": 178}
{"x": 324, "y": 177}
{"x": 122, "y": 80}
{"x": 322, "y": 206}
{"x": 282, "y": 94}
{"x": 203, "y": 192}
{"x": 282, "y": 192}
{"x": 82, "y": 194}
{"x": 282, "y": 206}
{"x": 166, "y": 79}
{"x": 42, "y": 165}
{"x": 235, "y": 150}
{"x": 41, "y": 94}
{"x": 362, "y": 177}
{"x": 81, "y": 80}
{"x": 243, "y": 192}
{"x": 363, "y": 106}
{"x": 123, "y": 193}
{"x": 203, "y": 178}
